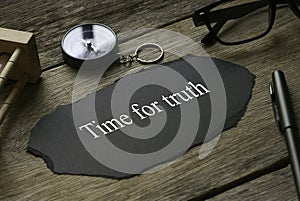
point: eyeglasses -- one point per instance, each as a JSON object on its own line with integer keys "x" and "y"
{"x": 234, "y": 22}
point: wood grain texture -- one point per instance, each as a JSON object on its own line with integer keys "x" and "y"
{"x": 252, "y": 145}
{"x": 278, "y": 185}
{"x": 49, "y": 20}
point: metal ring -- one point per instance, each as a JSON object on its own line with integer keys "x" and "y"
{"x": 149, "y": 45}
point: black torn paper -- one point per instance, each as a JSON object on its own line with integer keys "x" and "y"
{"x": 54, "y": 138}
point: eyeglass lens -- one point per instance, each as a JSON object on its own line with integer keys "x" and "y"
{"x": 247, "y": 19}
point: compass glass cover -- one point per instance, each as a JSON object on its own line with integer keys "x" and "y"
{"x": 89, "y": 41}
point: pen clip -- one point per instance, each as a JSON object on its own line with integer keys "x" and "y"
{"x": 274, "y": 106}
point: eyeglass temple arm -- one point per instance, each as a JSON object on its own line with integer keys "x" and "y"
{"x": 228, "y": 13}
{"x": 208, "y": 39}
{"x": 221, "y": 17}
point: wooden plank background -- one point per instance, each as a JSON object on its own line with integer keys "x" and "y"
{"x": 49, "y": 20}
{"x": 267, "y": 187}
{"x": 250, "y": 161}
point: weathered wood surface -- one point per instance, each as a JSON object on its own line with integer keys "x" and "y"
{"x": 49, "y": 20}
{"x": 278, "y": 185}
{"x": 250, "y": 150}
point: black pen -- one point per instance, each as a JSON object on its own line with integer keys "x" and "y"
{"x": 286, "y": 121}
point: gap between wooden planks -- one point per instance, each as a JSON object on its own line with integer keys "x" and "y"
{"x": 251, "y": 146}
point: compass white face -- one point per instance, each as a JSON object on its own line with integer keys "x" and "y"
{"x": 89, "y": 41}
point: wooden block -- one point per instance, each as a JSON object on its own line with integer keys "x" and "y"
{"x": 28, "y": 62}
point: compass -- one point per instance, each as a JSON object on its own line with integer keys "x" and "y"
{"x": 88, "y": 42}
{"x": 99, "y": 42}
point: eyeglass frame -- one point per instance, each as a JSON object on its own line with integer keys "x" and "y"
{"x": 204, "y": 16}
